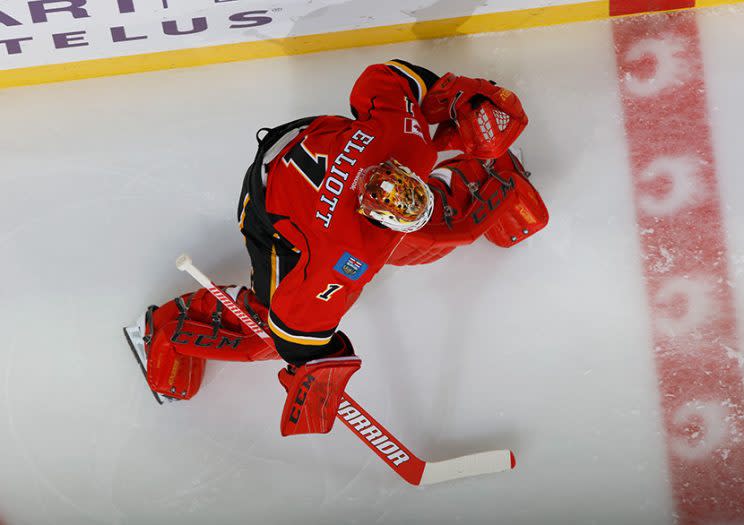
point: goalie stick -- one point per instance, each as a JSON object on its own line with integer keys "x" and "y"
{"x": 396, "y": 455}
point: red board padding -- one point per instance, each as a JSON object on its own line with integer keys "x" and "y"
{"x": 629, "y": 7}
{"x": 685, "y": 263}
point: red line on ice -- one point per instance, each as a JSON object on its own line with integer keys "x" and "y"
{"x": 628, "y": 7}
{"x": 660, "y": 70}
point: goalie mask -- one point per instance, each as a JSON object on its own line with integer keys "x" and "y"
{"x": 394, "y": 196}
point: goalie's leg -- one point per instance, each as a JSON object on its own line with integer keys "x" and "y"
{"x": 173, "y": 342}
{"x": 169, "y": 374}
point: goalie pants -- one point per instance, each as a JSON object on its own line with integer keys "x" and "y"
{"x": 185, "y": 332}
{"x": 271, "y": 256}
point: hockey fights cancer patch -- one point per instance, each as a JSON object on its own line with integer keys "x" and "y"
{"x": 350, "y": 267}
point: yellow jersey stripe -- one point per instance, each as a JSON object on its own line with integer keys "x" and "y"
{"x": 313, "y": 341}
{"x": 274, "y": 272}
{"x": 413, "y": 76}
{"x": 242, "y": 215}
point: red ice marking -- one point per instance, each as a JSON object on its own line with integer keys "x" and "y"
{"x": 629, "y": 7}
{"x": 685, "y": 263}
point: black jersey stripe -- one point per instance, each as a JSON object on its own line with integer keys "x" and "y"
{"x": 417, "y": 85}
{"x": 419, "y": 78}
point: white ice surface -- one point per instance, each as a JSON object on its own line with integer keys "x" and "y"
{"x": 543, "y": 348}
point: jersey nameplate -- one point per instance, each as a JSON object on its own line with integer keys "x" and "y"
{"x": 336, "y": 179}
{"x": 350, "y": 267}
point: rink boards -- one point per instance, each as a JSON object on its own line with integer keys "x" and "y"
{"x": 73, "y": 42}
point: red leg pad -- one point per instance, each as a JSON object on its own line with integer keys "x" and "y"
{"x": 232, "y": 341}
{"x": 168, "y": 372}
{"x": 180, "y": 345}
{"x": 200, "y": 340}
{"x": 522, "y": 214}
{"x": 496, "y": 201}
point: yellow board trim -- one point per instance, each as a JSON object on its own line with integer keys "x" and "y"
{"x": 714, "y": 3}
{"x": 296, "y": 45}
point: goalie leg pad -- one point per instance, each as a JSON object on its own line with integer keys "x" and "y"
{"x": 169, "y": 372}
{"x": 139, "y": 336}
{"x": 183, "y": 333}
{"x": 473, "y": 198}
{"x": 210, "y": 331}
{"x": 522, "y": 212}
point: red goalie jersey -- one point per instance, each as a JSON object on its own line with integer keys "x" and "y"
{"x": 324, "y": 251}
{"x": 313, "y": 252}
{"x": 323, "y": 208}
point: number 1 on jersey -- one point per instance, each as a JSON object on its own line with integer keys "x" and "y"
{"x": 329, "y": 291}
{"x": 311, "y": 166}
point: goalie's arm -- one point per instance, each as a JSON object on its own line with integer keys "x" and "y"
{"x": 383, "y": 88}
{"x": 386, "y": 101}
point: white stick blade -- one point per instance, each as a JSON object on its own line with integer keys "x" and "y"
{"x": 467, "y": 466}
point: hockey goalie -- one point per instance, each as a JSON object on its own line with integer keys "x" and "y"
{"x": 327, "y": 202}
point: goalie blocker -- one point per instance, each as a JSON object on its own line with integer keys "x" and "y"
{"x": 314, "y": 390}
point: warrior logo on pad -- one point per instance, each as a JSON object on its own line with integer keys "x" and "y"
{"x": 350, "y": 267}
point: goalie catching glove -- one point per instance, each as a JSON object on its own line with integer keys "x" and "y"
{"x": 476, "y": 116}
